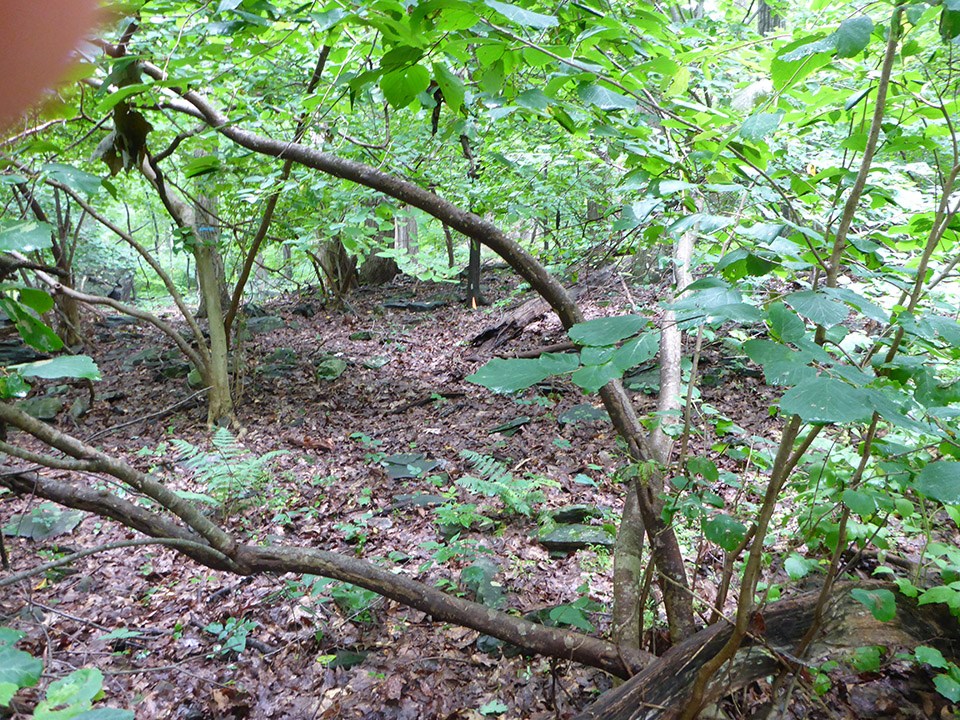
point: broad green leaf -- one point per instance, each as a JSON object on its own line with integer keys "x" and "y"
{"x": 606, "y": 330}
{"x": 853, "y": 35}
{"x": 881, "y": 603}
{"x": 9, "y": 636}
{"x": 604, "y": 98}
{"x": 940, "y": 481}
{"x": 400, "y": 58}
{"x": 401, "y": 87}
{"x": 105, "y": 714}
{"x": 636, "y": 351}
{"x": 533, "y": 100}
{"x": 798, "y": 567}
{"x": 930, "y": 656}
{"x": 785, "y": 325}
{"x": 756, "y": 127}
{"x": 593, "y": 377}
{"x": 509, "y": 375}
{"x": 33, "y": 331}
{"x": 65, "y": 366}
{"x": 855, "y": 300}
{"x": 18, "y": 667}
{"x": 950, "y": 22}
{"x": 527, "y": 18}
{"x": 944, "y": 683}
{"x": 669, "y": 187}
{"x": 817, "y": 308}
{"x": 39, "y": 301}
{"x": 25, "y": 236}
{"x": 599, "y": 355}
{"x": 805, "y": 48}
{"x": 824, "y": 400}
{"x": 450, "y": 85}
{"x": 572, "y": 617}
{"x": 70, "y": 695}
{"x": 725, "y": 531}
{"x": 859, "y": 502}
{"x": 944, "y": 594}
{"x": 79, "y": 180}
{"x": 559, "y": 363}
{"x": 328, "y": 19}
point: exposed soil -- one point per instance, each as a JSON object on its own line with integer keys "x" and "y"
{"x": 403, "y": 392}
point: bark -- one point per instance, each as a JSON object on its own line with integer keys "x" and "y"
{"x": 215, "y": 369}
{"x": 661, "y": 690}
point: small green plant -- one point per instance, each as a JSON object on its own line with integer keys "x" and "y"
{"x": 229, "y": 471}
{"x": 66, "y": 698}
{"x": 231, "y": 635}
{"x": 518, "y": 495}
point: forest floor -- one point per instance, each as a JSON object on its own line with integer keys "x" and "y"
{"x": 368, "y": 466}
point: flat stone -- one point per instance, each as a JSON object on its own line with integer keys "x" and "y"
{"x": 42, "y": 408}
{"x": 570, "y": 538}
{"x": 330, "y": 368}
{"x": 575, "y": 513}
{"x": 261, "y": 325}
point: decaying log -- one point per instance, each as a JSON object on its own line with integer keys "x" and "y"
{"x": 510, "y": 326}
{"x": 660, "y": 690}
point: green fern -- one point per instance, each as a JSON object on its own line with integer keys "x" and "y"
{"x": 518, "y": 495}
{"x": 228, "y": 470}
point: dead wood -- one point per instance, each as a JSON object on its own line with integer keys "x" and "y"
{"x": 510, "y": 326}
{"x": 661, "y": 690}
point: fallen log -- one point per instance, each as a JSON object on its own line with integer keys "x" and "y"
{"x": 660, "y": 691}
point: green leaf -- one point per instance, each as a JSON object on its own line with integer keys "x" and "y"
{"x": 19, "y": 668}
{"x": 401, "y": 87}
{"x": 70, "y": 695}
{"x": 606, "y": 330}
{"x": 945, "y": 684}
{"x": 559, "y": 363}
{"x": 725, "y": 531}
{"x": 881, "y": 603}
{"x": 571, "y": 617}
{"x": 509, "y": 375}
{"x": 33, "y": 331}
{"x": 593, "y": 377}
{"x": 940, "y": 481}
{"x": 931, "y": 656}
{"x": 941, "y": 594}
{"x": 867, "y": 659}
{"x": 65, "y": 366}
{"x": 83, "y": 182}
{"x": 861, "y": 503}
{"x": 400, "y": 58}
{"x": 853, "y": 36}
{"x": 105, "y": 714}
{"x": 785, "y": 325}
{"x": 25, "y": 236}
{"x": 450, "y": 85}
{"x": 817, "y": 308}
{"x": 603, "y": 98}
{"x": 523, "y": 17}
{"x": 756, "y": 127}
{"x": 798, "y": 567}
{"x": 37, "y": 300}
{"x": 823, "y": 400}
{"x": 635, "y": 352}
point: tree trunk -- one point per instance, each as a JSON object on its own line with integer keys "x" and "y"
{"x": 768, "y": 19}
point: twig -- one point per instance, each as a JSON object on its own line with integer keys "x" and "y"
{"x": 67, "y": 559}
{"x": 159, "y": 413}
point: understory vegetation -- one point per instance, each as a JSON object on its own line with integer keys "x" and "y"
{"x": 463, "y": 358}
